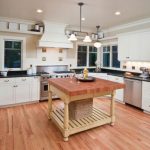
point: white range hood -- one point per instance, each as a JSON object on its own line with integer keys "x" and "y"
{"x": 54, "y": 36}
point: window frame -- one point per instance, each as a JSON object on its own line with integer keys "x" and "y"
{"x": 87, "y": 59}
{"x": 2, "y": 51}
{"x": 101, "y": 57}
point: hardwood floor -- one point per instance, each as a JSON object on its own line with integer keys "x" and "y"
{"x": 28, "y": 128}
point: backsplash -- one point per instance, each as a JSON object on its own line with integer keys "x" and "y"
{"x": 134, "y": 66}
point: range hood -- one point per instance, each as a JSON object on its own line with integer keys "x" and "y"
{"x": 54, "y": 36}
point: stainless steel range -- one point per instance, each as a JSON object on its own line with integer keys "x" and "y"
{"x": 46, "y": 72}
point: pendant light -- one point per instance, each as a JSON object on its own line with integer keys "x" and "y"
{"x": 87, "y": 38}
{"x": 73, "y": 37}
{"x": 97, "y": 44}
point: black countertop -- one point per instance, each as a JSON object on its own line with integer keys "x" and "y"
{"x": 135, "y": 76}
{"x": 15, "y": 76}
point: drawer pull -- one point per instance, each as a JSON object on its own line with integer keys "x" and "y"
{"x": 23, "y": 79}
{"x": 6, "y": 81}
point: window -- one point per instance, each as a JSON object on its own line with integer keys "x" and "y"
{"x": 86, "y": 56}
{"x": 92, "y": 55}
{"x": 106, "y": 56}
{"x": 110, "y": 56}
{"x": 12, "y": 53}
{"x": 82, "y": 56}
{"x": 115, "y": 62}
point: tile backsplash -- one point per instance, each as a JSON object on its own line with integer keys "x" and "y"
{"x": 134, "y": 66}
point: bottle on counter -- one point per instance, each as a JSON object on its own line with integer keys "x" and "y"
{"x": 29, "y": 70}
{"x": 85, "y": 73}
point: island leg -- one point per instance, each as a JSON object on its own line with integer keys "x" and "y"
{"x": 49, "y": 104}
{"x": 112, "y": 108}
{"x": 66, "y": 121}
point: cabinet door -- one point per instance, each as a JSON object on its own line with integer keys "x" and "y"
{"x": 134, "y": 46}
{"x": 145, "y": 46}
{"x": 22, "y": 93}
{"x": 146, "y": 96}
{"x": 6, "y": 94}
{"x": 22, "y": 89}
{"x": 35, "y": 88}
{"x": 123, "y": 49}
{"x": 120, "y": 92}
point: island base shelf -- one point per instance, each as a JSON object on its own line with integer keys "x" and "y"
{"x": 97, "y": 118}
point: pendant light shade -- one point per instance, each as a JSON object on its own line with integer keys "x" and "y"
{"x": 72, "y": 37}
{"x": 87, "y": 39}
{"x": 97, "y": 44}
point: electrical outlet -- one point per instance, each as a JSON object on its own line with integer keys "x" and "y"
{"x": 133, "y": 67}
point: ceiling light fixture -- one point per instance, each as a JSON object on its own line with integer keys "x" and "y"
{"x": 39, "y": 10}
{"x": 73, "y": 37}
{"x": 97, "y": 44}
{"x": 117, "y": 13}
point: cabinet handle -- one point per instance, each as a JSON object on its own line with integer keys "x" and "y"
{"x": 6, "y": 81}
{"x": 23, "y": 79}
{"x": 127, "y": 57}
{"x": 15, "y": 86}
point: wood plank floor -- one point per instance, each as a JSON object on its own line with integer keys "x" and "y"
{"x": 27, "y": 128}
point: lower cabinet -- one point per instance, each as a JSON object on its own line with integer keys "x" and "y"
{"x": 19, "y": 90}
{"x": 6, "y": 94}
{"x": 22, "y": 93}
{"x": 120, "y": 92}
{"x": 35, "y": 88}
{"x": 146, "y": 96}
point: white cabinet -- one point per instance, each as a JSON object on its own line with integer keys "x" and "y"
{"x": 35, "y": 88}
{"x": 22, "y": 89}
{"x": 123, "y": 50}
{"x": 145, "y": 46}
{"x": 134, "y": 46}
{"x": 99, "y": 75}
{"x": 6, "y": 92}
{"x": 119, "y": 93}
{"x": 128, "y": 47}
{"x": 19, "y": 90}
{"x": 146, "y": 96}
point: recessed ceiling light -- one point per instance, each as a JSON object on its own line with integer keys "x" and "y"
{"x": 83, "y": 19}
{"x": 117, "y": 13}
{"x": 39, "y": 10}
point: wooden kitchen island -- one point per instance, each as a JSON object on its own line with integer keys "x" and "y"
{"x": 69, "y": 90}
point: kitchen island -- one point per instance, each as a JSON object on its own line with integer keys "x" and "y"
{"x": 70, "y": 90}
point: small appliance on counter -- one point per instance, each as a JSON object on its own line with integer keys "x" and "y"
{"x": 4, "y": 73}
{"x": 145, "y": 72}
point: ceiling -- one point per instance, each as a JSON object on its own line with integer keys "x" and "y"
{"x": 96, "y": 12}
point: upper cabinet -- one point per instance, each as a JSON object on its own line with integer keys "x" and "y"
{"x": 134, "y": 46}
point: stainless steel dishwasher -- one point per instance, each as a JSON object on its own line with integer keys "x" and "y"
{"x": 133, "y": 92}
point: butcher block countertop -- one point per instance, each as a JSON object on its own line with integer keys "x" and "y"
{"x": 72, "y": 87}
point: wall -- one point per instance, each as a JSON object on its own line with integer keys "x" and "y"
{"x": 34, "y": 54}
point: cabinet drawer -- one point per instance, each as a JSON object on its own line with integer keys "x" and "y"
{"x": 23, "y": 80}
{"x": 7, "y": 80}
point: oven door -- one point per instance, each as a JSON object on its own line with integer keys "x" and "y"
{"x": 44, "y": 90}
